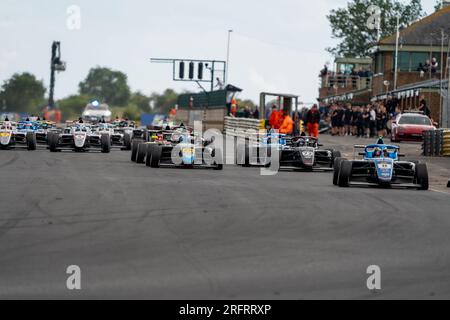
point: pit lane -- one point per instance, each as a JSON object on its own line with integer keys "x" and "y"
{"x": 138, "y": 232}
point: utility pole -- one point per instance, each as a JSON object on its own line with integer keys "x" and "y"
{"x": 55, "y": 65}
{"x": 228, "y": 56}
{"x": 396, "y": 53}
{"x": 441, "y": 86}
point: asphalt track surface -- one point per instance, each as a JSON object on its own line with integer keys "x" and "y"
{"x": 148, "y": 233}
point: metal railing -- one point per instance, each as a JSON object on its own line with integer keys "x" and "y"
{"x": 346, "y": 82}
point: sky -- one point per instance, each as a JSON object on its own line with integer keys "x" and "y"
{"x": 276, "y": 46}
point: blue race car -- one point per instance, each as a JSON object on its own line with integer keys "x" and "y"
{"x": 380, "y": 166}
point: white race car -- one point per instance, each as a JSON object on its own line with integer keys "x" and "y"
{"x": 79, "y": 138}
{"x": 13, "y": 137}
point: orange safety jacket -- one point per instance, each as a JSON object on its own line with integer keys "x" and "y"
{"x": 274, "y": 120}
{"x": 288, "y": 125}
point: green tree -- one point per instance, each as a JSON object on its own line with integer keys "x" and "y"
{"x": 141, "y": 101}
{"x": 349, "y": 24}
{"x": 438, "y": 5}
{"x": 23, "y": 93}
{"x": 164, "y": 102}
{"x": 246, "y": 103}
{"x": 107, "y": 85}
{"x": 132, "y": 112}
{"x": 72, "y": 107}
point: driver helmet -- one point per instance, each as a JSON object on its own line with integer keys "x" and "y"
{"x": 377, "y": 153}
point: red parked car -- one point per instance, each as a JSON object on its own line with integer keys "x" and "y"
{"x": 410, "y": 127}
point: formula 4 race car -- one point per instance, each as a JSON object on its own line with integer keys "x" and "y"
{"x": 21, "y": 136}
{"x": 121, "y": 137}
{"x": 79, "y": 138}
{"x": 139, "y": 148}
{"x": 296, "y": 153}
{"x": 185, "y": 151}
{"x": 380, "y": 166}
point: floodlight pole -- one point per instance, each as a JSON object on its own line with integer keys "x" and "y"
{"x": 228, "y": 56}
{"x": 54, "y": 63}
{"x": 396, "y": 53}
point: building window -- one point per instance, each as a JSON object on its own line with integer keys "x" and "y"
{"x": 418, "y": 58}
{"x": 411, "y": 61}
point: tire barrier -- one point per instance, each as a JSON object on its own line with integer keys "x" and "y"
{"x": 436, "y": 143}
{"x": 241, "y": 127}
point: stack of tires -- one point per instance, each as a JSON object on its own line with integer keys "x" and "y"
{"x": 432, "y": 143}
{"x": 426, "y": 146}
{"x": 446, "y": 143}
{"x": 438, "y": 142}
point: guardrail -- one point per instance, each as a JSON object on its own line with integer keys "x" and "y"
{"x": 436, "y": 143}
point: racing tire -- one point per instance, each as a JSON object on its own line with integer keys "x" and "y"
{"x": 218, "y": 166}
{"x": 148, "y": 158}
{"x": 141, "y": 153}
{"x": 127, "y": 141}
{"x": 422, "y": 176}
{"x": 53, "y": 142}
{"x": 156, "y": 157}
{"x": 335, "y": 155}
{"x": 134, "y": 150}
{"x": 31, "y": 141}
{"x": 345, "y": 173}
{"x": 105, "y": 143}
{"x": 145, "y": 136}
{"x": 337, "y": 168}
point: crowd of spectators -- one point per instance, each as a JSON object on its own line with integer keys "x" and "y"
{"x": 372, "y": 120}
{"x": 429, "y": 66}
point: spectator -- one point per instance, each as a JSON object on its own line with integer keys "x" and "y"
{"x": 381, "y": 121}
{"x": 312, "y": 121}
{"x": 324, "y": 71}
{"x": 423, "y": 107}
{"x": 348, "y": 114}
{"x": 427, "y": 66}
{"x": 434, "y": 65}
{"x": 391, "y": 104}
{"x": 275, "y": 117}
{"x": 247, "y": 112}
{"x": 287, "y": 127}
{"x": 355, "y": 115}
{"x": 372, "y": 122}
{"x": 421, "y": 68}
{"x": 256, "y": 113}
{"x": 334, "y": 121}
{"x": 340, "y": 120}
{"x": 366, "y": 121}
{"x": 359, "y": 122}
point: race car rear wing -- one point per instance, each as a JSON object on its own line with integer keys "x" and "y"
{"x": 356, "y": 147}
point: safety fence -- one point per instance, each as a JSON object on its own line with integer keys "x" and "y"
{"x": 436, "y": 143}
